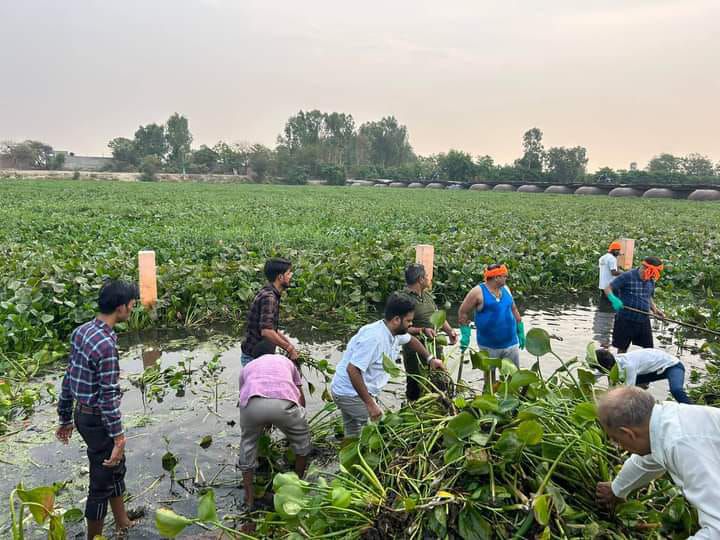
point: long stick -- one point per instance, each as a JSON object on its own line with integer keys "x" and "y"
{"x": 681, "y": 323}
{"x": 462, "y": 359}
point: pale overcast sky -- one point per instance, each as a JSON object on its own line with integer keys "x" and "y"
{"x": 627, "y": 79}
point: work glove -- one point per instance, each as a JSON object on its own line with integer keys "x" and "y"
{"x": 617, "y": 304}
{"x": 521, "y": 334}
{"x": 464, "y": 337}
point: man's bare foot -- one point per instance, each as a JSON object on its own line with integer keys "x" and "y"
{"x": 123, "y": 531}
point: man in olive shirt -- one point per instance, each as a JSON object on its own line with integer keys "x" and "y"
{"x": 417, "y": 287}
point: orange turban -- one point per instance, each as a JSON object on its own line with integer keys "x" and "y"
{"x": 499, "y": 271}
{"x": 613, "y": 246}
{"x": 651, "y": 271}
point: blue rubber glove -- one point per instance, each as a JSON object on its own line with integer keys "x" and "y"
{"x": 617, "y": 304}
{"x": 464, "y": 337}
{"x": 521, "y": 334}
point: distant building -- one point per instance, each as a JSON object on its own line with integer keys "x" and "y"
{"x": 84, "y": 163}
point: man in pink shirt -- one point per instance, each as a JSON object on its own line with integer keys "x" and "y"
{"x": 271, "y": 394}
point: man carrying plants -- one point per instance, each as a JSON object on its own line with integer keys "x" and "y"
{"x": 634, "y": 289}
{"x": 417, "y": 287}
{"x": 608, "y": 267}
{"x": 271, "y": 394}
{"x": 360, "y": 375}
{"x": 498, "y": 325}
{"x": 644, "y": 366}
{"x": 263, "y": 318}
{"x": 681, "y": 440}
{"x": 91, "y": 385}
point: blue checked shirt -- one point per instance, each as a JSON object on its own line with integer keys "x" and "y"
{"x": 92, "y": 376}
{"x": 634, "y": 292}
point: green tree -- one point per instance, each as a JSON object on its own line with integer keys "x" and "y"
{"x": 664, "y": 164}
{"x": 204, "y": 160}
{"x": 566, "y": 164}
{"x": 386, "y": 142}
{"x": 260, "y": 160}
{"x": 533, "y": 151}
{"x": 696, "y": 165}
{"x": 150, "y": 140}
{"x": 606, "y": 175}
{"x": 124, "y": 153}
{"x": 149, "y": 167}
{"x": 485, "y": 167}
{"x": 232, "y": 159}
{"x": 456, "y": 165}
{"x": 179, "y": 140}
{"x": 30, "y": 154}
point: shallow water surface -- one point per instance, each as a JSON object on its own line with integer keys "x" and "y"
{"x": 178, "y": 423}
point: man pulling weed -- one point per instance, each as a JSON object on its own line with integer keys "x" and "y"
{"x": 682, "y": 440}
{"x": 634, "y": 289}
{"x": 91, "y": 385}
{"x": 417, "y": 287}
{"x": 263, "y": 318}
{"x": 360, "y": 375}
{"x": 271, "y": 394}
{"x": 644, "y": 366}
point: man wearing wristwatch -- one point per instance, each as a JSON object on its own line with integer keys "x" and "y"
{"x": 498, "y": 324}
{"x": 360, "y": 375}
{"x": 417, "y": 287}
{"x": 91, "y": 384}
{"x": 263, "y": 317}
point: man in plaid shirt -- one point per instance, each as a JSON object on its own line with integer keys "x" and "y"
{"x": 91, "y": 393}
{"x": 635, "y": 289}
{"x": 261, "y": 330}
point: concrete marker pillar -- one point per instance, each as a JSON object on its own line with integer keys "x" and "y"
{"x": 148, "y": 278}
{"x": 627, "y": 250}
{"x": 425, "y": 255}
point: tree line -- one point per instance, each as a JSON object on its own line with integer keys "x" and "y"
{"x": 331, "y": 147}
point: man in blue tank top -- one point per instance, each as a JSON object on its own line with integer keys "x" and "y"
{"x": 499, "y": 327}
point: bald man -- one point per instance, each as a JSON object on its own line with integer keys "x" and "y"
{"x": 682, "y": 440}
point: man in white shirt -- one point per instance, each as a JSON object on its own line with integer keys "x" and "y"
{"x": 360, "y": 375}
{"x": 644, "y": 366}
{"x": 682, "y": 440}
{"x": 603, "y": 321}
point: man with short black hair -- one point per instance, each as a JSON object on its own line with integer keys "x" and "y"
{"x": 360, "y": 375}
{"x": 681, "y": 440}
{"x": 91, "y": 383}
{"x": 634, "y": 289}
{"x": 644, "y": 366}
{"x": 263, "y": 318}
{"x": 417, "y": 287}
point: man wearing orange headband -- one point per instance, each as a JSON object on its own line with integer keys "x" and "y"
{"x": 603, "y": 320}
{"x": 634, "y": 289}
{"x": 499, "y": 326}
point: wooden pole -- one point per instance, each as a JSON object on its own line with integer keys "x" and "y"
{"x": 148, "y": 278}
{"x": 425, "y": 255}
{"x": 627, "y": 250}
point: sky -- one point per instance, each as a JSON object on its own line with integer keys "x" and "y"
{"x": 627, "y": 79}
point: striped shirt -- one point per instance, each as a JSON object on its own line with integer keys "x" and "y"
{"x": 92, "y": 376}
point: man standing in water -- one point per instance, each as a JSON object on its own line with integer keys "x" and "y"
{"x": 264, "y": 315}
{"x": 417, "y": 287}
{"x": 634, "y": 289}
{"x": 91, "y": 383}
{"x": 360, "y": 375}
{"x": 498, "y": 324}
{"x": 603, "y": 322}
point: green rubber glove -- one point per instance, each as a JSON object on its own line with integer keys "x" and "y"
{"x": 617, "y": 304}
{"x": 521, "y": 334}
{"x": 464, "y": 337}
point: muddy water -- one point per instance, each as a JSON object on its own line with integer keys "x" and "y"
{"x": 179, "y": 423}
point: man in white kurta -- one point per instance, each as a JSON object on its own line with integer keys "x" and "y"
{"x": 682, "y": 440}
